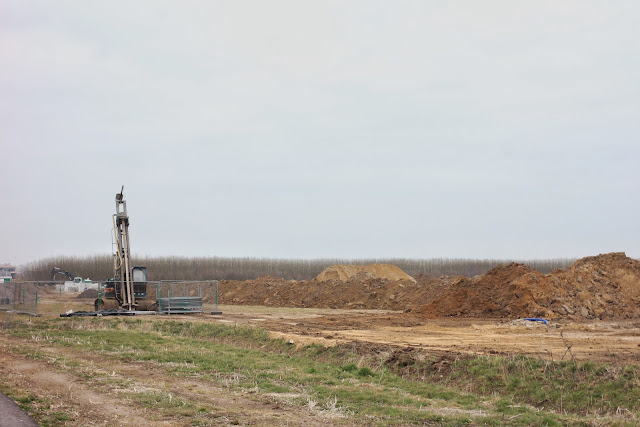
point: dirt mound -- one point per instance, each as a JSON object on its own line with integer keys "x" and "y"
{"x": 505, "y": 291}
{"x": 344, "y": 273}
{"x": 377, "y": 286}
{"x": 88, "y": 293}
{"x": 603, "y": 286}
{"x": 354, "y": 293}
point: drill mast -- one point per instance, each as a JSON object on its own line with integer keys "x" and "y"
{"x": 122, "y": 258}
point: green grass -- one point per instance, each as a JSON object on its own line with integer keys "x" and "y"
{"x": 343, "y": 384}
{"x": 575, "y": 387}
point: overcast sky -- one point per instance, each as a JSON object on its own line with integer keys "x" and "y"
{"x": 299, "y": 129}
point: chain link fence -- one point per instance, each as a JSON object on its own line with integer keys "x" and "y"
{"x": 19, "y": 297}
{"x": 53, "y": 298}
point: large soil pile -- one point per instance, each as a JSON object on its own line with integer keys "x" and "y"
{"x": 376, "y": 286}
{"x": 344, "y": 273}
{"x": 506, "y": 291}
{"x": 604, "y": 286}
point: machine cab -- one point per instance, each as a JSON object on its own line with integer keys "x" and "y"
{"x": 139, "y": 276}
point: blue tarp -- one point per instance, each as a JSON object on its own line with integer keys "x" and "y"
{"x": 536, "y": 319}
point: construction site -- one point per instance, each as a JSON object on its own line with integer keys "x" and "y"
{"x": 422, "y": 329}
{"x": 511, "y": 346}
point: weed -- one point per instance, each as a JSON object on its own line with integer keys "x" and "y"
{"x": 351, "y": 367}
{"x": 365, "y": 372}
{"x": 338, "y": 382}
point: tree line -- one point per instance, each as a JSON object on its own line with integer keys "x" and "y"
{"x": 100, "y": 267}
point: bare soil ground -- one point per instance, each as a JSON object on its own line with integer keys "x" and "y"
{"x": 593, "y": 306}
{"x": 616, "y": 341}
{"x": 610, "y": 341}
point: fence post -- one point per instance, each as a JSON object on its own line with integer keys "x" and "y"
{"x": 36, "y": 310}
{"x": 217, "y": 311}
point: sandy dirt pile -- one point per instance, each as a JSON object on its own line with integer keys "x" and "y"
{"x": 344, "y": 273}
{"x": 603, "y": 286}
{"x": 373, "y": 287}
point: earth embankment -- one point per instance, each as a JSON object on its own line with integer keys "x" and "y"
{"x": 604, "y": 286}
{"x": 597, "y": 287}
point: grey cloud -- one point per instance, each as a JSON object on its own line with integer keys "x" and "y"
{"x": 476, "y": 129}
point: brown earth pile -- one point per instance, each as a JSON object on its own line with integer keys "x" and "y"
{"x": 367, "y": 293}
{"x": 343, "y": 273}
{"x": 603, "y": 286}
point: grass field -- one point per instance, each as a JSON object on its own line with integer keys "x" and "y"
{"x": 189, "y": 373}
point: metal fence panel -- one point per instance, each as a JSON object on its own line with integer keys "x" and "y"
{"x": 20, "y": 297}
{"x": 53, "y": 298}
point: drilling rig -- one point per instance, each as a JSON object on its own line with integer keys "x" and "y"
{"x": 127, "y": 290}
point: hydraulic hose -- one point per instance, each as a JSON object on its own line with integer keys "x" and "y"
{"x": 115, "y": 235}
